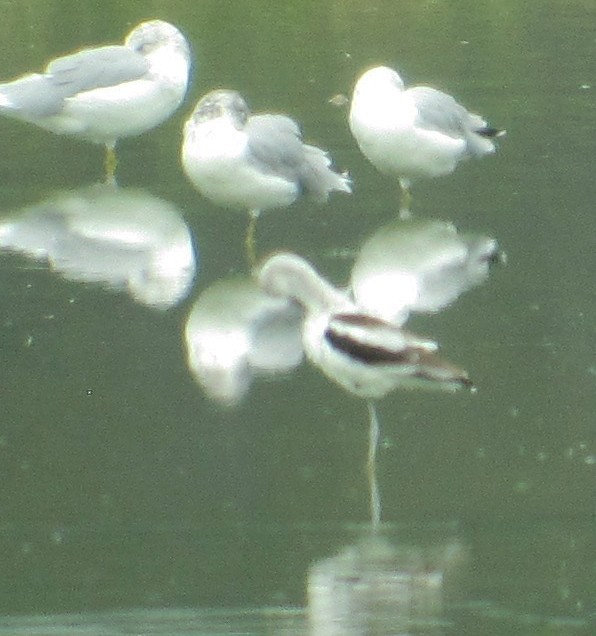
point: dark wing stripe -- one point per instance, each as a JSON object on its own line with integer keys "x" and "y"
{"x": 365, "y": 353}
{"x": 459, "y": 377}
{"x": 360, "y": 320}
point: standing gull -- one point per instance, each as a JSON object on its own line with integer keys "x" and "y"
{"x": 416, "y": 132}
{"x": 252, "y": 162}
{"x": 105, "y": 93}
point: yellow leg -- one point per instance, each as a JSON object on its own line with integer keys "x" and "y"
{"x": 405, "y": 202}
{"x": 250, "y": 240}
{"x": 111, "y": 162}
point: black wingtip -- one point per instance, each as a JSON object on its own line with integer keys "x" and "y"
{"x": 491, "y": 133}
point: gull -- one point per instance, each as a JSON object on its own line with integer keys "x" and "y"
{"x": 106, "y": 93}
{"x": 364, "y": 354}
{"x": 415, "y": 132}
{"x": 252, "y": 162}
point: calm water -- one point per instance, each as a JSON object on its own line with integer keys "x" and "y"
{"x": 131, "y": 503}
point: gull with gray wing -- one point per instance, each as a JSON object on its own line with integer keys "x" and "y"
{"x": 253, "y": 162}
{"x": 416, "y": 132}
{"x": 106, "y": 93}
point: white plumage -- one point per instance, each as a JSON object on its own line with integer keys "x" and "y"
{"x": 362, "y": 353}
{"x": 105, "y": 93}
{"x": 252, "y": 162}
{"x": 414, "y": 132}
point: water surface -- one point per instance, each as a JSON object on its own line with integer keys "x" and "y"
{"x": 132, "y": 503}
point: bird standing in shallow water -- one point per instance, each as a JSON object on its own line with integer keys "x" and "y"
{"x": 416, "y": 132}
{"x": 364, "y": 354}
{"x": 105, "y": 93}
{"x": 252, "y": 162}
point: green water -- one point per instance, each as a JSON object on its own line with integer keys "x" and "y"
{"x": 132, "y": 503}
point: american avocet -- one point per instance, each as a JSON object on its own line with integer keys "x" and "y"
{"x": 252, "y": 162}
{"x": 105, "y": 93}
{"x": 362, "y": 353}
{"x": 415, "y": 132}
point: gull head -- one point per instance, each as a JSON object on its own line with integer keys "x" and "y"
{"x": 153, "y": 35}
{"x": 221, "y": 103}
{"x": 377, "y": 79}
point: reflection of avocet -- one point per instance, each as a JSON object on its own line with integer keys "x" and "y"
{"x": 125, "y": 239}
{"x": 235, "y": 331}
{"x": 376, "y": 587}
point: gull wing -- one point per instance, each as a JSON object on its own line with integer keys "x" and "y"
{"x": 42, "y": 95}
{"x": 96, "y": 68}
{"x": 275, "y": 144}
{"x": 441, "y": 112}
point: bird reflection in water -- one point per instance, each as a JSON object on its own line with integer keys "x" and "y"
{"x": 237, "y": 328}
{"x": 234, "y": 332}
{"x": 426, "y": 265}
{"x": 375, "y": 587}
{"x": 124, "y": 239}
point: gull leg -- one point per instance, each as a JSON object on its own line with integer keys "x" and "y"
{"x": 371, "y": 466}
{"x": 111, "y": 162}
{"x": 249, "y": 241}
{"x": 405, "y": 202}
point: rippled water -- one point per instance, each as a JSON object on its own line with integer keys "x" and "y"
{"x": 132, "y": 502}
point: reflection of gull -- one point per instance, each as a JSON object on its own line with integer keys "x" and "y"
{"x": 122, "y": 238}
{"x": 102, "y": 94}
{"x": 252, "y": 162}
{"x": 366, "y": 355}
{"x": 235, "y": 331}
{"x": 415, "y": 132}
{"x": 426, "y": 265}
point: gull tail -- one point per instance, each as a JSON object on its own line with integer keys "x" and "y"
{"x": 30, "y": 98}
{"x": 318, "y": 177}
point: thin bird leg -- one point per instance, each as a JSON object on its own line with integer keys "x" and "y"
{"x": 405, "y": 201}
{"x": 110, "y": 163}
{"x": 249, "y": 241}
{"x": 371, "y": 466}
